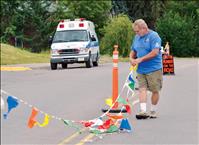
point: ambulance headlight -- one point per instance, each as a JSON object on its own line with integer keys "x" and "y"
{"x": 54, "y": 52}
{"x": 84, "y": 50}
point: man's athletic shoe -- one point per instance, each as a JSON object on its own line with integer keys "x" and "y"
{"x": 142, "y": 115}
{"x": 153, "y": 114}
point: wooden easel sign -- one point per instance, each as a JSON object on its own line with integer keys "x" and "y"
{"x": 168, "y": 64}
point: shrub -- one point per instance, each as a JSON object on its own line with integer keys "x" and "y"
{"x": 118, "y": 31}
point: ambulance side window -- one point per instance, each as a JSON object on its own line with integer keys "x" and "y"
{"x": 92, "y": 37}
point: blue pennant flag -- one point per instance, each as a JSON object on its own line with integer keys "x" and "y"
{"x": 125, "y": 125}
{"x": 131, "y": 78}
{"x": 12, "y": 103}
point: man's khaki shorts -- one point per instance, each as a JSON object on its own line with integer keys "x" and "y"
{"x": 151, "y": 81}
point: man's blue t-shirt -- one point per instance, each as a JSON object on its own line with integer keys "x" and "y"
{"x": 143, "y": 45}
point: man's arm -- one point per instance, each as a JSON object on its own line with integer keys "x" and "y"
{"x": 149, "y": 56}
{"x": 132, "y": 57}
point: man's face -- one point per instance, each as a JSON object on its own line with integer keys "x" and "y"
{"x": 138, "y": 31}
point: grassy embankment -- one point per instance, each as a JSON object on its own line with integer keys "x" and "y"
{"x": 13, "y": 55}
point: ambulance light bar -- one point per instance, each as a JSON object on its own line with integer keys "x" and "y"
{"x": 61, "y": 26}
{"x": 80, "y": 19}
{"x": 81, "y": 24}
{"x": 66, "y": 20}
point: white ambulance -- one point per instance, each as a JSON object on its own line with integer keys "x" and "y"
{"x": 74, "y": 42}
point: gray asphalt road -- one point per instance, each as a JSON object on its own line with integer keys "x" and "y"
{"x": 79, "y": 93}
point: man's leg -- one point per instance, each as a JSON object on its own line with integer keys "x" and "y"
{"x": 155, "y": 98}
{"x": 154, "y": 102}
{"x": 143, "y": 99}
{"x": 155, "y": 85}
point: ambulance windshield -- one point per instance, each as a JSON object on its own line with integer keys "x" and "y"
{"x": 70, "y": 36}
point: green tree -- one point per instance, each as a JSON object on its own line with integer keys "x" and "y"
{"x": 180, "y": 27}
{"x": 149, "y": 10}
{"x": 29, "y": 24}
{"x": 96, "y": 11}
{"x": 118, "y": 31}
{"x": 38, "y": 23}
{"x": 8, "y": 9}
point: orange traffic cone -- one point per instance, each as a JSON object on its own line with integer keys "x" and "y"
{"x": 115, "y": 76}
{"x": 114, "y": 84}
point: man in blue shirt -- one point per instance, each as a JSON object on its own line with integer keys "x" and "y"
{"x": 145, "y": 52}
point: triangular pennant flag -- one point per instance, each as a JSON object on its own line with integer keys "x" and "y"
{"x": 2, "y": 104}
{"x": 87, "y": 123}
{"x": 97, "y": 122}
{"x": 134, "y": 68}
{"x": 128, "y": 108}
{"x": 130, "y": 78}
{"x": 122, "y": 100}
{"x": 31, "y": 121}
{"x": 119, "y": 116}
{"x": 46, "y": 121}
{"x": 109, "y": 101}
{"x": 71, "y": 124}
{"x": 125, "y": 125}
{"x": 112, "y": 128}
{"x": 96, "y": 131}
{"x": 131, "y": 85}
{"x": 12, "y": 103}
{"x": 106, "y": 124}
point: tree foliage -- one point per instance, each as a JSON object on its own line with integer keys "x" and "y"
{"x": 179, "y": 26}
{"x": 149, "y": 10}
{"x": 8, "y": 9}
{"x": 118, "y": 31}
{"x": 96, "y": 11}
{"x": 29, "y": 25}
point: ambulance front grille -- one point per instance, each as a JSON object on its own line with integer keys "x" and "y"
{"x": 69, "y": 51}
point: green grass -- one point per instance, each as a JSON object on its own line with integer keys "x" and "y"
{"x": 13, "y": 55}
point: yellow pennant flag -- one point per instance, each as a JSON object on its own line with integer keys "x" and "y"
{"x": 109, "y": 101}
{"x": 134, "y": 68}
{"x": 45, "y": 123}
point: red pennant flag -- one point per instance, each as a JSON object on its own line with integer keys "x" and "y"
{"x": 128, "y": 108}
{"x": 106, "y": 124}
{"x": 87, "y": 123}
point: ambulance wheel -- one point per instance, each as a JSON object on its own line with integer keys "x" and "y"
{"x": 64, "y": 65}
{"x": 89, "y": 62}
{"x": 53, "y": 66}
{"x": 95, "y": 63}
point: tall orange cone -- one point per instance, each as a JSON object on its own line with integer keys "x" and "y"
{"x": 114, "y": 85}
{"x": 115, "y": 76}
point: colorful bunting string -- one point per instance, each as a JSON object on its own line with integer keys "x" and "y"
{"x": 97, "y": 125}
